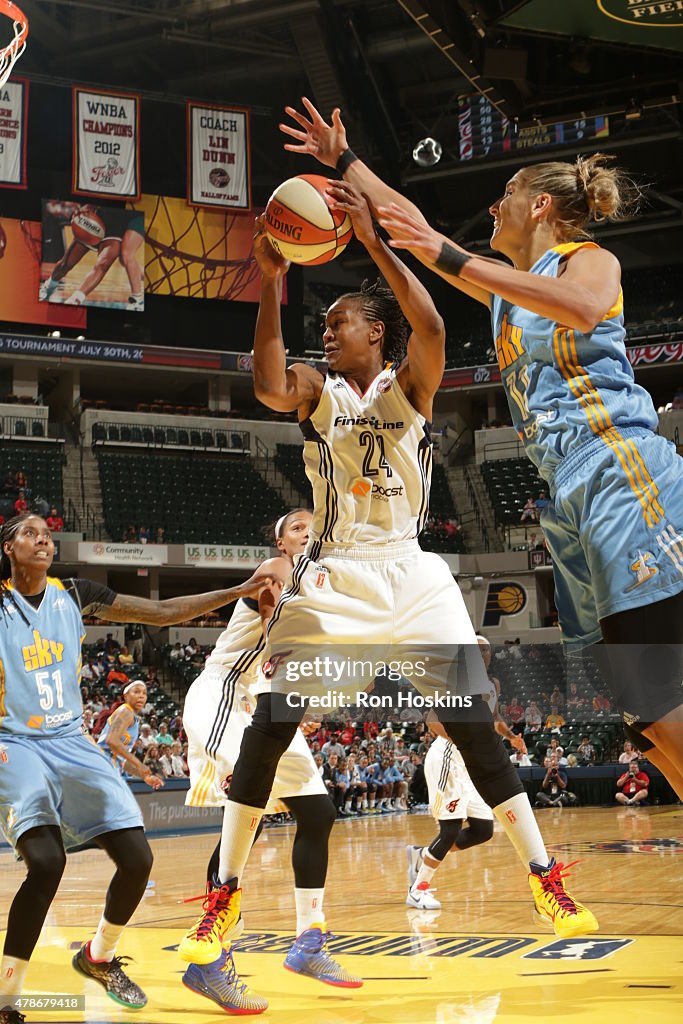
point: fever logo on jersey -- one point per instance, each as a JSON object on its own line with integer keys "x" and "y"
{"x": 502, "y": 599}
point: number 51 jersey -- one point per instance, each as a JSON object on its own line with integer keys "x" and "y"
{"x": 369, "y": 460}
{"x": 40, "y": 664}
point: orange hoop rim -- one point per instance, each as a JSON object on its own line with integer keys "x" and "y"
{"x": 10, "y": 9}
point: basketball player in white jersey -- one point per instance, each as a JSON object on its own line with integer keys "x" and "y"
{"x": 452, "y": 799}
{"x": 367, "y": 452}
{"x": 218, "y": 708}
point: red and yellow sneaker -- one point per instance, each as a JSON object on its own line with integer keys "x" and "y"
{"x": 219, "y": 919}
{"x": 554, "y": 905}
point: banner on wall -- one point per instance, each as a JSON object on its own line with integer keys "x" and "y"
{"x": 106, "y": 553}
{"x": 13, "y": 129}
{"x": 76, "y": 236}
{"x": 106, "y": 134}
{"x": 225, "y": 556}
{"x": 197, "y": 253}
{"x": 20, "y": 249}
{"x": 218, "y": 169}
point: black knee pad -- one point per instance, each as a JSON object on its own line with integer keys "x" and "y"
{"x": 263, "y": 744}
{"x": 493, "y": 774}
{"x": 449, "y": 830}
{"x": 480, "y": 830}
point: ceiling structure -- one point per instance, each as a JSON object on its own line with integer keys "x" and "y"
{"x": 397, "y": 68}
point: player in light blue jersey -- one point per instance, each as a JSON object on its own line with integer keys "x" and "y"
{"x": 120, "y": 732}
{"x": 57, "y": 789}
{"x": 614, "y": 525}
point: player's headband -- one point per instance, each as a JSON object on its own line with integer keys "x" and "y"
{"x": 133, "y": 683}
{"x": 279, "y": 524}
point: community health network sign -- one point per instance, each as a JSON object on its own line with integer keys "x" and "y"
{"x": 224, "y": 556}
{"x": 103, "y": 553}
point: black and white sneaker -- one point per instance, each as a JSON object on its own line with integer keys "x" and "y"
{"x": 112, "y": 978}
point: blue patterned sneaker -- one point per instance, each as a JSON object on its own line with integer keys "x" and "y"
{"x": 111, "y": 976}
{"x": 309, "y": 957}
{"x": 220, "y": 982}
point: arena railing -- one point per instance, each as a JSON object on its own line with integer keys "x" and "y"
{"x": 132, "y": 435}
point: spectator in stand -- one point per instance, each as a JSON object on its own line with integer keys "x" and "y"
{"x": 541, "y": 502}
{"x": 191, "y": 649}
{"x": 160, "y": 537}
{"x": 536, "y": 543}
{"x": 111, "y": 644}
{"x": 556, "y": 751}
{"x": 514, "y": 712}
{"x": 87, "y": 721}
{"x": 557, "y": 698}
{"x": 143, "y": 535}
{"x": 373, "y": 754}
{"x": 152, "y": 678}
{"x": 520, "y": 760}
{"x": 21, "y": 504}
{"x": 554, "y": 721}
{"x": 146, "y": 736}
{"x": 173, "y": 762}
{"x": 134, "y": 636}
{"x": 370, "y": 730}
{"x": 632, "y": 786}
{"x": 368, "y": 777}
{"x": 319, "y": 763}
{"x": 585, "y": 752}
{"x": 574, "y": 700}
{"x": 529, "y": 512}
{"x": 115, "y": 677}
{"x": 601, "y": 703}
{"x": 424, "y": 744}
{"x": 629, "y": 754}
{"x": 177, "y": 654}
{"x": 9, "y": 487}
{"x": 88, "y": 671}
{"x": 163, "y": 737}
{"x": 336, "y": 787}
{"x": 553, "y": 792}
{"x": 131, "y": 535}
{"x": 347, "y": 733}
{"x": 396, "y": 788}
{"x": 139, "y": 749}
{"x": 387, "y": 742}
{"x": 153, "y": 762}
{"x": 333, "y": 746}
{"x": 125, "y": 657}
{"x": 55, "y": 521}
{"x": 533, "y": 719}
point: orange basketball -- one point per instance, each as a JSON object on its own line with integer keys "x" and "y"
{"x": 87, "y": 228}
{"x": 301, "y": 225}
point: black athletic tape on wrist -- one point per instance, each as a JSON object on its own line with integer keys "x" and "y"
{"x": 347, "y": 158}
{"x": 451, "y": 260}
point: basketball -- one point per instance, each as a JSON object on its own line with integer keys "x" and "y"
{"x": 511, "y": 600}
{"x": 300, "y": 224}
{"x": 88, "y": 228}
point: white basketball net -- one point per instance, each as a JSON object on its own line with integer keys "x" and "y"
{"x": 11, "y": 53}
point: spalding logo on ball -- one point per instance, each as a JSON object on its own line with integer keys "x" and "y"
{"x": 301, "y": 225}
{"x": 87, "y": 228}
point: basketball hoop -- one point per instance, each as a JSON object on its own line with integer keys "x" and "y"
{"x": 10, "y": 54}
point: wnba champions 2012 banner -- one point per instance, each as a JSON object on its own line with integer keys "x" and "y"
{"x": 106, "y": 133}
{"x": 13, "y": 128}
{"x": 218, "y": 170}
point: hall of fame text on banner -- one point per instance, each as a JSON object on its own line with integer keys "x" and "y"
{"x": 218, "y": 161}
{"x": 106, "y": 134}
{"x": 13, "y": 129}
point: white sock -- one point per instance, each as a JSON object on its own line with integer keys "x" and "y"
{"x": 517, "y": 818}
{"x": 347, "y": 805}
{"x": 425, "y": 874}
{"x": 12, "y": 974}
{"x": 239, "y": 825}
{"x": 364, "y": 805}
{"x": 372, "y": 803}
{"x": 103, "y": 942}
{"x": 50, "y": 286}
{"x": 309, "y": 908}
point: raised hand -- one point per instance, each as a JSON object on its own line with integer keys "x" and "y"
{"x": 270, "y": 263}
{"x": 347, "y": 197}
{"x": 326, "y": 142}
{"x": 407, "y": 232}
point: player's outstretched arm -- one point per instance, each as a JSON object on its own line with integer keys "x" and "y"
{"x": 328, "y": 144}
{"x": 127, "y": 608}
{"x": 580, "y": 298}
{"x": 278, "y": 386}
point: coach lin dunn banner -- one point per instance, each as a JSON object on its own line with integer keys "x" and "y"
{"x": 13, "y": 128}
{"x": 218, "y": 163}
{"x": 106, "y": 133}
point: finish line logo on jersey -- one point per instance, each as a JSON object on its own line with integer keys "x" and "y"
{"x": 367, "y": 421}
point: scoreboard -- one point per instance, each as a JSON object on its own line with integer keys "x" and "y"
{"x": 485, "y": 132}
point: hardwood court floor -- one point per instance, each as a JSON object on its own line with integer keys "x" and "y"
{"x": 482, "y": 959}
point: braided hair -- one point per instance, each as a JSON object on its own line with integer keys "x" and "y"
{"x": 8, "y": 532}
{"x": 380, "y": 304}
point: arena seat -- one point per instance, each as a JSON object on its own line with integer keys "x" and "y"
{"x": 509, "y": 483}
{"x": 43, "y": 469}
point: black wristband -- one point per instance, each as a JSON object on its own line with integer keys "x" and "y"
{"x": 347, "y": 158}
{"x": 451, "y": 260}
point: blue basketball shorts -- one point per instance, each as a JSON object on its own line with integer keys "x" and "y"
{"x": 65, "y": 781}
{"x": 614, "y": 529}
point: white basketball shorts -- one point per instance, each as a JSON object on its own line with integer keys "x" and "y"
{"x": 217, "y": 711}
{"x": 451, "y": 790}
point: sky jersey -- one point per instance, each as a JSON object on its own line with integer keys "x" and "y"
{"x": 128, "y": 739}
{"x": 369, "y": 461}
{"x": 242, "y": 638}
{"x": 565, "y": 388}
{"x": 40, "y": 664}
